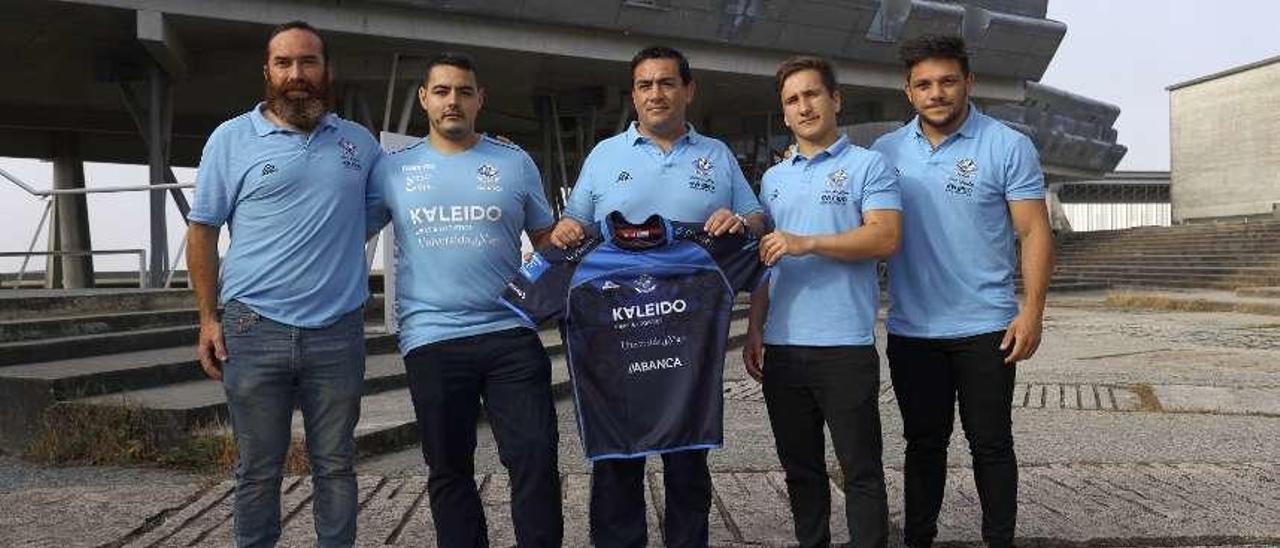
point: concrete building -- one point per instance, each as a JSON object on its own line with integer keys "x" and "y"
{"x": 1224, "y": 141}
{"x": 145, "y": 81}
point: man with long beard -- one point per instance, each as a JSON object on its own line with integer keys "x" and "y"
{"x": 288, "y": 178}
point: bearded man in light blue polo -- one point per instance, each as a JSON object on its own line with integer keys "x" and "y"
{"x": 459, "y": 202}
{"x": 288, "y": 178}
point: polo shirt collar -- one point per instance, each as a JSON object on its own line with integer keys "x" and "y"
{"x": 634, "y": 137}
{"x": 263, "y": 127}
{"x": 834, "y": 150}
{"x": 968, "y": 130}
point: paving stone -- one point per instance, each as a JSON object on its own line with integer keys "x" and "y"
{"x": 1219, "y": 399}
{"x": 1125, "y": 399}
{"x": 1035, "y": 397}
{"x": 1070, "y": 396}
{"x": 1088, "y": 397}
{"x": 1019, "y": 395}
{"x": 1053, "y": 396}
{"x": 56, "y": 517}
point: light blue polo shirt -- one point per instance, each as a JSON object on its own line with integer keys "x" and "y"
{"x": 631, "y": 174}
{"x": 953, "y": 273}
{"x": 815, "y": 300}
{"x": 294, "y": 204}
{"x": 458, "y": 219}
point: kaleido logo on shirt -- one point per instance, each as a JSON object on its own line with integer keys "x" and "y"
{"x": 837, "y": 191}
{"x": 417, "y": 177}
{"x": 702, "y": 179}
{"x": 623, "y": 177}
{"x": 268, "y": 169}
{"x": 961, "y": 181}
{"x": 488, "y": 178}
{"x": 350, "y": 154}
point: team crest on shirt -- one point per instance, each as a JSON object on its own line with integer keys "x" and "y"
{"x": 961, "y": 181}
{"x": 837, "y": 191}
{"x": 488, "y": 178}
{"x": 350, "y": 154}
{"x": 644, "y": 284}
{"x": 702, "y": 178}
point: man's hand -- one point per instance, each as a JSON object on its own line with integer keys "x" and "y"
{"x": 724, "y": 221}
{"x": 566, "y": 233}
{"x": 1024, "y": 335}
{"x": 211, "y": 349}
{"x": 753, "y": 354}
{"x": 777, "y": 244}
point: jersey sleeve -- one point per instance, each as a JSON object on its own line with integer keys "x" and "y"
{"x": 539, "y": 290}
{"x": 737, "y": 255}
{"x": 880, "y": 186}
{"x": 580, "y": 205}
{"x": 377, "y": 215}
{"x": 216, "y": 185}
{"x": 744, "y": 199}
{"x": 1023, "y": 178}
{"x": 537, "y": 212}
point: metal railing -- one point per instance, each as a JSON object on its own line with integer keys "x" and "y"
{"x": 45, "y": 195}
{"x": 141, "y": 253}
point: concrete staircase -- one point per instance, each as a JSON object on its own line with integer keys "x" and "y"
{"x": 99, "y": 349}
{"x": 1209, "y": 256}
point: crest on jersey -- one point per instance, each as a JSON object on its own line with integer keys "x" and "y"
{"x": 644, "y": 284}
{"x": 837, "y": 179}
{"x": 350, "y": 154}
{"x": 488, "y": 178}
{"x": 703, "y": 166}
{"x": 966, "y": 168}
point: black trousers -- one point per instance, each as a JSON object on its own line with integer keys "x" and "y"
{"x": 618, "y": 509}
{"x": 929, "y": 375}
{"x": 805, "y": 387}
{"x": 510, "y": 371}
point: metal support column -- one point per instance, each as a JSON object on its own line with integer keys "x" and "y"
{"x": 159, "y": 132}
{"x": 73, "y": 214}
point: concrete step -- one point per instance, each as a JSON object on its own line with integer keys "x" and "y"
{"x": 79, "y": 326}
{"x": 63, "y": 348}
{"x": 21, "y": 304}
{"x": 1267, "y": 292}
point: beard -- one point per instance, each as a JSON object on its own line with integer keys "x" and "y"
{"x": 303, "y": 113}
{"x": 947, "y": 120}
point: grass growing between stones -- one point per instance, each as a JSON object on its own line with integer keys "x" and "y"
{"x": 125, "y": 435}
{"x": 1157, "y": 301}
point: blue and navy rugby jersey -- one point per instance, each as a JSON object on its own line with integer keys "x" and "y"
{"x": 645, "y": 313}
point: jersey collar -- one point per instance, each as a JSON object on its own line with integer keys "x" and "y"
{"x": 263, "y": 127}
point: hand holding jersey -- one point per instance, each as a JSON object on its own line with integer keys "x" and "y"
{"x": 659, "y": 165}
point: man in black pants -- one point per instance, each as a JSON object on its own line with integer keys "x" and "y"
{"x": 956, "y": 329}
{"x": 836, "y": 209}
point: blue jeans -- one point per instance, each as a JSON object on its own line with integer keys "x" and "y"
{"x": 271, "y": 369}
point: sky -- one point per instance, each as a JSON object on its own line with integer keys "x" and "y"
{"x": 1124, "y": 52}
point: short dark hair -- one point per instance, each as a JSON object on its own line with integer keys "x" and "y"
{"x": 934, "y": 46}
{"x": 663, "y": 52}
{"x": 298, "y": 25}
{"x": 455, "y": 59}
{"x": 808, "y": 62}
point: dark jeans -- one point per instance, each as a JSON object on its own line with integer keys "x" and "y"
{"x": 509, "y": 369}
{"x": 617, "y": 501}
{"x": 805, "y": 387}
{"x": 271, "y": 368}
{"x": 928, "y": 375}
